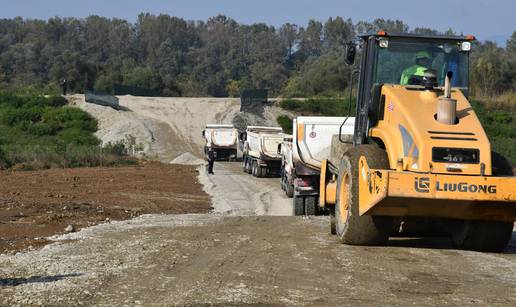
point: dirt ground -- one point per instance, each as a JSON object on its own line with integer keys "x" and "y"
{"x": 217, "y": 260}
{"x": 38, "y": 204}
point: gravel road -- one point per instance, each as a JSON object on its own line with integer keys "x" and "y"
{"x": 164, "y": 260}
{"x": 234, "y": 192}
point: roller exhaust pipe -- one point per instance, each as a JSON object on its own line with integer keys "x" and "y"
{"x": 446, "y": 106}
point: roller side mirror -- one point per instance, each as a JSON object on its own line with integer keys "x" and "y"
{"x": 351, "y": 51}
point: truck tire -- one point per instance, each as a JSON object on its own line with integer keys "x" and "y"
{"x": 486, "y": 236}
{"x": 298, "y": 207}
{"x": 249, "y": 166}
{"x": 290, "y": 190}
{"x": 244, "y": 164}
{"x": 310, "y": 205}
{"x": 351, "y": 228}
{"x": 254, "y": 168}
{"x": 260, "y": 171}
{"x": 232, "y": 155}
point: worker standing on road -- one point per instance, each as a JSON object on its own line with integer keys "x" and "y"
{"x": 212, "y": 155}
{"x": 423, "y": 62}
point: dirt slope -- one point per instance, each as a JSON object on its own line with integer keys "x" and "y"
{"x": 168, "y": 127}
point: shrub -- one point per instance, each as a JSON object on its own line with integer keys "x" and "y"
{"x": 13, "y": 116}
{"x": 56, "y": 101}
{"x": 42, "y": 132}
{"x": 326, "y": 106}
{"x": 76, "y": 136}
{"x": 41, "y": 129}
{"x": 285, "y": 122}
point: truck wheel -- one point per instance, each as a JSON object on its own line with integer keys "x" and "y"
{"x": 483, "y": 236}
{"x": 351, "y": 228}
{"x": 249, "y": 166}
{"x": 254, "y": 168}
{"x": 298, "y": 206}
{"x": 258, "y": 172}
{"x": 310, "y": 205}
{"x": 486, "y": 236}
{"x": 232, "y": 156}
{"x": 290, "y": 189}
{"x": 244, "y": 165}
{"x": 261, "y": 171}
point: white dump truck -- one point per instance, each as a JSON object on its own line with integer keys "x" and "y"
{"x": 287, "y": 165}
{"x": 311, "y": 144}
{"x": 223, "y": 139}
{"x": 261, "y": 156}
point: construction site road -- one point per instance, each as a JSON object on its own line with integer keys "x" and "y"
{"x": 234, "y": 192}
{"x": 166, "y": 260}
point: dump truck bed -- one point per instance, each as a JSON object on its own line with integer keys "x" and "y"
{"x": 221, "y": 136}
{"x": 264, "y": 145}
{"x": 312, "y": 138}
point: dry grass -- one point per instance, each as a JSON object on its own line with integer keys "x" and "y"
{"x": 505, "y": 101}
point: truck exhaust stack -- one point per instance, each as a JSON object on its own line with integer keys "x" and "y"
{"x": 446, "y": 106}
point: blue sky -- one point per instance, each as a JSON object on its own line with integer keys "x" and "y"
{"x": 484, "y": 18}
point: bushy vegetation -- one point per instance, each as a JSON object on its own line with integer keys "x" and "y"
{"x": 42, "y": 132}
{"x": 216, "y": 57}
{"x": 285, "y": 122}
{"x": 500, "y": 126}
{"x": 324, "y": 106}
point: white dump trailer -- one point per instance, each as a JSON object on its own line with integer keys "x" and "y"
{"x": 261, "y": 155}
{"x": 223, "y": 139}
{"x": 311, "y": 144}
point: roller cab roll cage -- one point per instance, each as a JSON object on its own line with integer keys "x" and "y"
{"x": 369, "y": 95}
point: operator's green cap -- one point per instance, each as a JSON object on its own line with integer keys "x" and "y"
{"x": 423, "y": 55}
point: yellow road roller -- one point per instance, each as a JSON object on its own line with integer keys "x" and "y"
{"x": 419, "y": 161}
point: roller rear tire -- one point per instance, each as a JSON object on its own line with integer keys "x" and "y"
{"x": 486, "y": 236}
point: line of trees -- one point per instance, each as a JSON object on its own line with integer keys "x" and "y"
{"x": 217, "y": 57}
